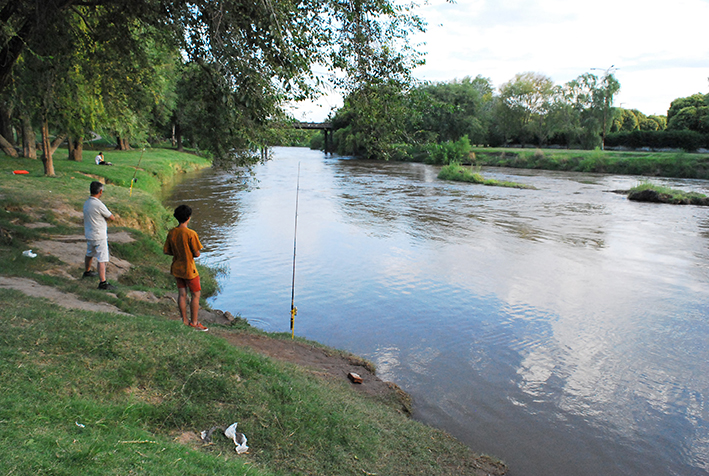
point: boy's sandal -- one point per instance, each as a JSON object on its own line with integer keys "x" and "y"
{"x": 199, "y": 327}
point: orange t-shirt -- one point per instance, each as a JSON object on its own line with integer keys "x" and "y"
{"x": 182, "y": 244}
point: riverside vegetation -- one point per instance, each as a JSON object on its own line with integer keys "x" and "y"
{"x": 647, "y": 192}
{"x": 661, "y": 164}
{"x": 459, "y": 173}
{"x": 92, "y": 393}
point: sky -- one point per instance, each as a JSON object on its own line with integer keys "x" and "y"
{"x": 659, "y": 49}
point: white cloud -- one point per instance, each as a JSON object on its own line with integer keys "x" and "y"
{"x": 659, "y": 47}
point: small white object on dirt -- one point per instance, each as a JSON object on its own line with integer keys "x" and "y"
{"x": 29, "y": 254}
{"x": 239, "y": 438}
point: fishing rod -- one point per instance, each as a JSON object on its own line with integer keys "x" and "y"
{"x": 293, "y": 309}
{"x": 135, "y": 173}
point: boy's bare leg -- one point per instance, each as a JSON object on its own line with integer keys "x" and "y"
{"x": 194, "y": 306}
{"x": 182, "y": 303}
{"x": 87, "y": 263}
{"x": 101, "y": 267}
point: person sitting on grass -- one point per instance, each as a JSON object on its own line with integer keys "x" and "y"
{"x": 184, "y": 246}
{"x": 100, "y": 161}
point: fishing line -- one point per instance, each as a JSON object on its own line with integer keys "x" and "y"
{"x": 135, "y": 173}
{"x": 293, "y": 309}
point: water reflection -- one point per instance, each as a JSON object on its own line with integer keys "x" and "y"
{"x": 562, "y": 329}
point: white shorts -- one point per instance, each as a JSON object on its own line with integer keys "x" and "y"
{"x": 98, "y": 249}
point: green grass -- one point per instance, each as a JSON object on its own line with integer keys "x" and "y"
{"x": 30, "y": 198}
{"x": 137, "y": 383}
{"x": 145, "y": 381}
{"x": 459, "y": 173}
{"x": 666, "y": 195}
{"x": 663, "y": 164}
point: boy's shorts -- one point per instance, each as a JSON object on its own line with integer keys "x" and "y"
{"x": 98, "y": 249}
{"x": 192, "y": 284}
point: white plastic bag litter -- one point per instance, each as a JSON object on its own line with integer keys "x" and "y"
{"x": 29, "y": 254}
{"x": 239, "y": 438}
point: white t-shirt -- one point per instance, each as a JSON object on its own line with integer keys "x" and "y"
{"x": 99, "y": 159}
{"x": 95, "y": 215}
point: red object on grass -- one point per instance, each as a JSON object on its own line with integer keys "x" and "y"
{"x": 20, "y": 172}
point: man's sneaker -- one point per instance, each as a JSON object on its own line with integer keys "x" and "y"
{"x": 105, "y": 286}
{"x": 90, "y": 274}
{"x": 199, "y": 327}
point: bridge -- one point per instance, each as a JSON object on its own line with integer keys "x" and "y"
{"x": 326, "y": 127}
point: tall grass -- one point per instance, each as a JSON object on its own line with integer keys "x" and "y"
{"x": 459, "y": 173}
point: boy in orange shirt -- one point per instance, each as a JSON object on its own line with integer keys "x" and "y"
{"x": 184, "y": 246}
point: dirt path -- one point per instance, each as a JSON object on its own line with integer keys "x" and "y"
{"x": 68, "y": 300}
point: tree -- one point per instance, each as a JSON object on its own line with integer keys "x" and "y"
{"x": 661, "y": 122}
{"x": 689, "y": 113}
{"x": 526, "y": 101}
{"x": 592, "y": 99}
{"x": 372, "y": 121}
{"x": 450, "y": 110}
{"x": 260, "y": 53}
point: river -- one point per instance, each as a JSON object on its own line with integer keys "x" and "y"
{"x": 564, "y": 330}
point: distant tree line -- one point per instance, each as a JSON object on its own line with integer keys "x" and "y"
{"x": 213, "y": 75}
{"x": 384, "y": 120}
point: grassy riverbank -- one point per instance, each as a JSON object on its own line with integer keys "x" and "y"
{"x": 99, "y": 393}
{"x": 661, "y": 164}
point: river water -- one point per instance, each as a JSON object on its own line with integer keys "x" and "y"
{"x": 564, "y": 330}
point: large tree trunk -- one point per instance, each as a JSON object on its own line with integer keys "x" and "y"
{"x": 76, "y": 148}
{"x": 178, "y": 138}
{"x": 122, "y": 143}
{"x": 6, "y": 124}
{"x": 7, "y": 147}
{"x": 29, "y": 140}
{"x": 47, "y": 150}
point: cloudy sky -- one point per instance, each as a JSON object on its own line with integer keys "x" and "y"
{"x": 659, "y": 47}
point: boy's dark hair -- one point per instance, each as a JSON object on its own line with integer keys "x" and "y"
{"x": 183, "y": 213}
{"x": 95, "y": 188}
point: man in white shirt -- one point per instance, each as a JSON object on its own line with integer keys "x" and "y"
{"x": 96, "y": 218}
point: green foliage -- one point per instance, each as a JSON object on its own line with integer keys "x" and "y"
{"x": 116, "y": 67}
{"x": 317, "y": 141}
{"x": 691, "y": 105}
{"x": 447, "y": 111}
{"x": 661, "y": 139}
{"x": 666, "y": 164}
{"x": 449, "y": 152}
{"x": 371, "y": 121}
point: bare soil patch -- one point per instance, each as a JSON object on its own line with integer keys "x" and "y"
{"x": 68, "y": 300}
{"x": 322, "y": 363}
{"x": 71, "y": 250}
